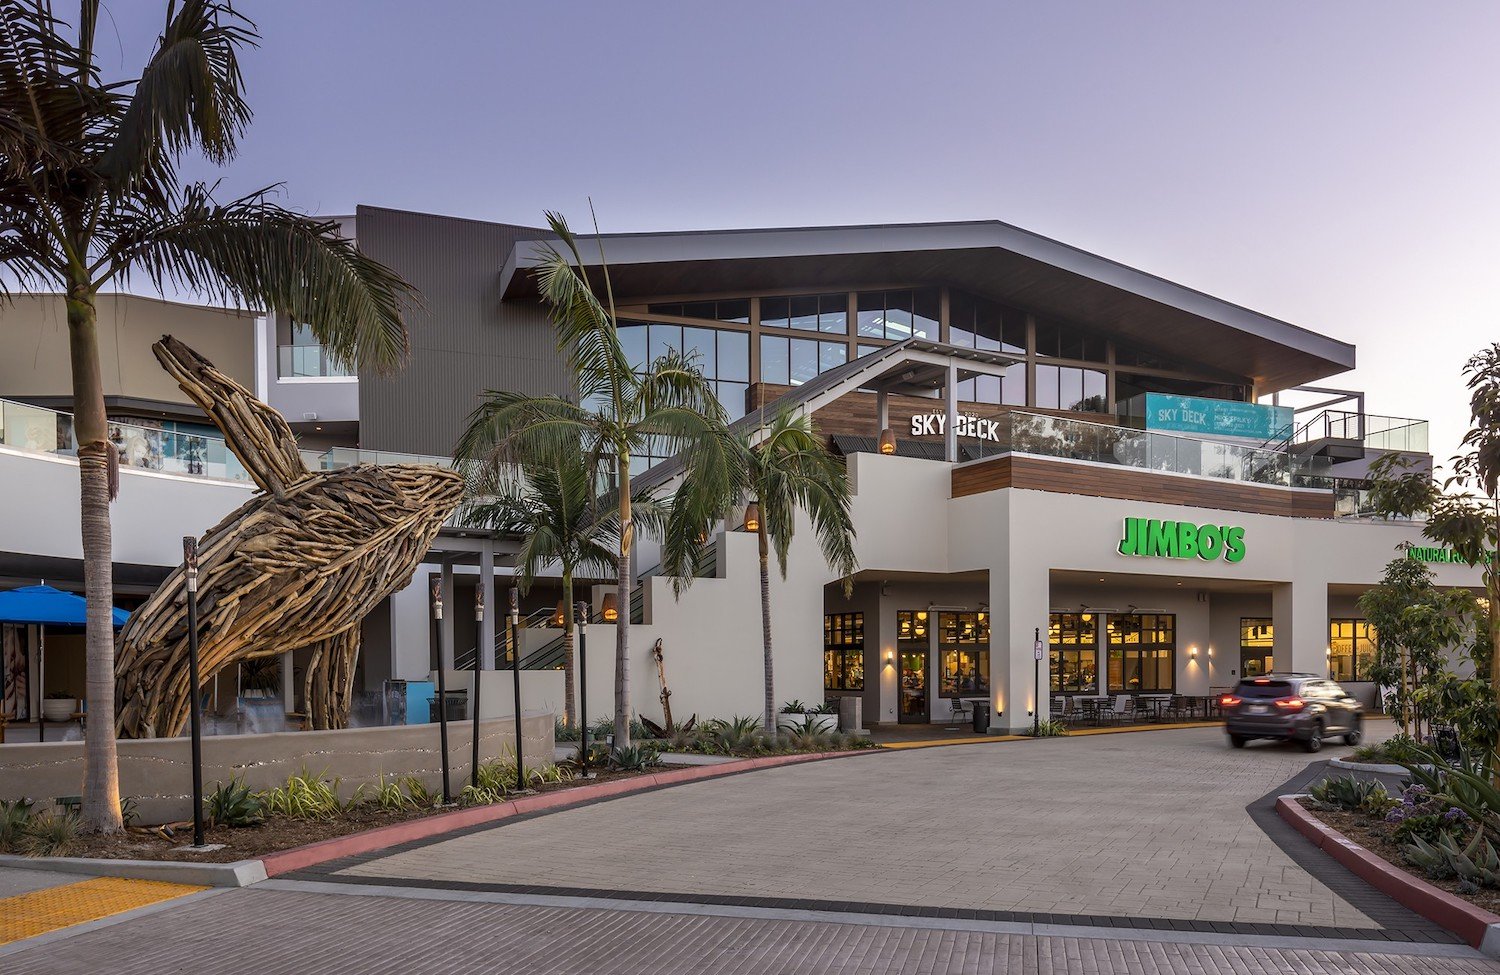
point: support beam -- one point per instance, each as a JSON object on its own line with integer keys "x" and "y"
{"x": 487, "y": 626}
{"x": 882, "y": 411}
{"x": 445, "y": 625}
{"x": 950, "y": 428}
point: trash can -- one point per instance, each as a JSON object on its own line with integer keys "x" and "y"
{"x": 458, "y": 706}
{"x": 981, "y": 717}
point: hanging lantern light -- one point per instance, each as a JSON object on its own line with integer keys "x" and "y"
{"x": 609, "y": 610}
{"x": 560, "y": 616}
{"x": 752, "y": 516}
{"x": 887, "y": 441}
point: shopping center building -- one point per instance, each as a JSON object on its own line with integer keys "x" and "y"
{"x": 1070, "y": 477}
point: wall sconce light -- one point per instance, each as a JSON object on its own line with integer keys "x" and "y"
{"x": 1193, "y": 652}
{"x": 609, "y": 609}
{"x": 752, "y": 516}
{"x": 887, "y": 441}
{"x": 890, "y": 658}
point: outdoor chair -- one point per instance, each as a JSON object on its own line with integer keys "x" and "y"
{"x": 960, "y": 710}
{"x": 1122, "y": 707}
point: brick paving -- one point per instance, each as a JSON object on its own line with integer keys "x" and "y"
{"x": 281, "y": 932}
{"x": 1149, "y": 825}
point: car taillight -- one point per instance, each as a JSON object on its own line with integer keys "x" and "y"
{"x": 1291, "y": 703}
{"x": 1228, "y": 701}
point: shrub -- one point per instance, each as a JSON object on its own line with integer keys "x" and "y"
{"x": 233, "y": 804}
{"x": 128, "y": 813}
{"x": 417, "y": 791}
{"x": 388, "y": 795}
{"x": 1353, "y": 794}
{"x": 793, "y": 706}
{"x": 479, "y": 796}
{"x": 1475, "y": 863}
{"x": 1049, "y": 729}
{"x": 562, "y": 731}
{"x": 1399, "y": 749}
{"x": 51, "y": 834}
{"x": 636, "y": 758}
{"x": 15, "y": 820}
{"x": 306, "y": 797}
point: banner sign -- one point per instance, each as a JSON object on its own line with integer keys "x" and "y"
{"x": 1217, "y": 417}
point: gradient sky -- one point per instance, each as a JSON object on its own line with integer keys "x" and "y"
{"x": 1330, "y": 163}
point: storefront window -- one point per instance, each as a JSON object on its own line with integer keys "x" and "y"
{"x": 1142, "y": 652}
{"x": 1074, "y": 638}
{"x": 1351, "y": 649}
{"x": 1255, "y": 647}
{"x": 844, "y": 651}
{"x": 964, "y": 648}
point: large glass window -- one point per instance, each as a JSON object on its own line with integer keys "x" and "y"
{"x": 1074, "y": 639}
{"x": 964, "y": 652}
{"x": 1062, "y": 342}
{"x": 1351, "y": 649}
{"x": 1256, "y": 637}
{"x": 899, "y": 314}
{"x": 728, "y": 310}
{"x": 808, "y": 313}
{"x": 981, "y": 324}
{"x": 844, "y": 652}
{"x": 1070, "y": 388}
{"x": 1142, "y": 652}
{"x": 792, "y": 362}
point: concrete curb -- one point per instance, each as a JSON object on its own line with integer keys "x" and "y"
{"x": 241, "y": 873}
{"x": 370, "y": 841}
{"x": 1349, "y": 765}
{"x": 1478, "y": 927}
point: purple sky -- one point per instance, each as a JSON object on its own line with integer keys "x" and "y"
{"x": 1332, "y": 164}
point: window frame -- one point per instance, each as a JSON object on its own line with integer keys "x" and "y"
{"x": 1369, "y": 636}
{"x": 1139, "y": 649}
{"x": 843, "y": 642}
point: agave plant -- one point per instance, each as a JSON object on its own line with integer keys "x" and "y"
{"x": 1353, "y": 794}
{"x": 15, "y": 821}
{"x": 53, "y": 834}
{"x": 235, "y": 805}
{"x": 634, "y": 758}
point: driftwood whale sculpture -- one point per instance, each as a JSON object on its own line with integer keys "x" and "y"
{"x": 298, "y": 565}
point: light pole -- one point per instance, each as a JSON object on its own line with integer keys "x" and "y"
{"x": 195, "y": 708}
{"x": 1036, "y": 683}
{"x": 479, "y": 636}
{"x": 515, "y": 674}
{"x": 442, "y": 688}
{"x": 581, "y": 610}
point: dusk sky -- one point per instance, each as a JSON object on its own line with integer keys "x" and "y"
{"x": 1331, "y": 164}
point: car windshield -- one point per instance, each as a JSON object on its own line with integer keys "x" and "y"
{"x": 1269, "y": 689}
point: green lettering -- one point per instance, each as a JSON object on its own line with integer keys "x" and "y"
{"x": 1234, "y": 544}
{"x": 1210, "y": 542}
{"x": 1130, "y": 541}
{"x": 1162, "y": 539}
{"x": 1187, "y": 540}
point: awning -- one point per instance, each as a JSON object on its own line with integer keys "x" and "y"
{"x": 48, "y": 607}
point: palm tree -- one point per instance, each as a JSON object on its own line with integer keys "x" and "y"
{"x": 554, "y": 507}
{"x": 789, "y": 472}
{"x": 90, "y": 194}
{"x": 618, "y": 413}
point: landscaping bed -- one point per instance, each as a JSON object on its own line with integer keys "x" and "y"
{"x": 1376, "y": 835}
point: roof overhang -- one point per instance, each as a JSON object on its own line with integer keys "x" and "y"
{"x": 989, "y": 258}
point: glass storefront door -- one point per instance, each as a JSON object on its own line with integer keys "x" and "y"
{"x": 914, "y": 707}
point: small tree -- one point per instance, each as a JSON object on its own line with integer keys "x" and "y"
{"x": 1463, "y": 511}
{"x": 1418, "y": 627}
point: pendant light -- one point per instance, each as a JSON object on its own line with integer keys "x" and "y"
{"x": 752, "y": 516}
{"x": 887, "y": 441}
{"x": 609, "y": 609}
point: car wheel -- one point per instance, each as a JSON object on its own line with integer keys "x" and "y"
{"x": 1355, "y": 733}
{"x": 1314, "y": 741}
{"x": 1237, "y": 741}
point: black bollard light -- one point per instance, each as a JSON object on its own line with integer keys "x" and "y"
{"x": 479, "y": 619}
{"x": 515, "y": 673}
{"x": 195, "y": 709}
{"x": 442, "y": 688}
{"x": 581, "y": 610}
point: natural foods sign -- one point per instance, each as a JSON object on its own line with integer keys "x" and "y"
{"x": 1150, "y": 538}
{"x": 1419, "y": 553}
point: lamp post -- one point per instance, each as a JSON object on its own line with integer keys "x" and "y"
{"x": 515, "y": 673}
{"x": 581, "y": 609}
{"x": 442, "y": 689}
{"x": 1036, "y": 683}
{"x": 479, "y": 637}
{"x": 195, "y": 709}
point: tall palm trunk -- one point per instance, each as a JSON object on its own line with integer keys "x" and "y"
{"x": 622, "y": 608}
{"x": 765, "y": 626}
{"x": 101, "y": 785}
{"x": 569, "y": 718}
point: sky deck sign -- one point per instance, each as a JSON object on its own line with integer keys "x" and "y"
{"x": 935, "y": 424}
{"x": 1150, "y": 538}
{"x": 1216, "y": 417}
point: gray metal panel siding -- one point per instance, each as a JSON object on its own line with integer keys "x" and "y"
{"x": 464, "y": 340}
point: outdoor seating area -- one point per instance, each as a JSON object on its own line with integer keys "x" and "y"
{"x": 1098, "y": 710}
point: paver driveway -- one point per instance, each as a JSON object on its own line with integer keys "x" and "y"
{"x": 1146, "y": 825}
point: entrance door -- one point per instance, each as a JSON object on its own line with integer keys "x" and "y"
{"x": 914, "y": 692}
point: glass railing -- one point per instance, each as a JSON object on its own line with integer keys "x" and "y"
{"x": 1375, "y": 432}
{"x": 1104, "y": 443}
{"x": 42, "y": 431}
{"x": 310, "y": 362}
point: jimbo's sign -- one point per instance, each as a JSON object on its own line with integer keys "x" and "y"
{"x": 1150, "y": 538}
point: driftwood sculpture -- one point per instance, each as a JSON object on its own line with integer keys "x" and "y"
{"x": 299, "y": 565}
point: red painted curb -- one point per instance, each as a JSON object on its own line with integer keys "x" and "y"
{"x": 385, "y": 837}
{"x": 1437, "y": 905}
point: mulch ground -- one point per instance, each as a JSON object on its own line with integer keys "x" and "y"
{"x": 276, "y": 834}
{"x": 1375, "y": 835}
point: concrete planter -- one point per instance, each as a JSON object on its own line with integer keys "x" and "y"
{"x": 820, "y": 722}
{"x": 56, "y": 709}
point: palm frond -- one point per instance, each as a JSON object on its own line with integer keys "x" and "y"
{"x": 586, "y": 334}
{"x": 190, "y": 93}
{"x": 256, "y": 253}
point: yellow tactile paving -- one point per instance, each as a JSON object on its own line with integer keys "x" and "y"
{"x": 40, "y": 911}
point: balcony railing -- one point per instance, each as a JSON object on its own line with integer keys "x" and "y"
{"x": 42, "y": 431}
{"x": 310, "y": 362}
{"x": 1375, "y": 432}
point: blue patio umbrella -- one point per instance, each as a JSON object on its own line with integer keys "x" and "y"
{"x": 45, "y": 606}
